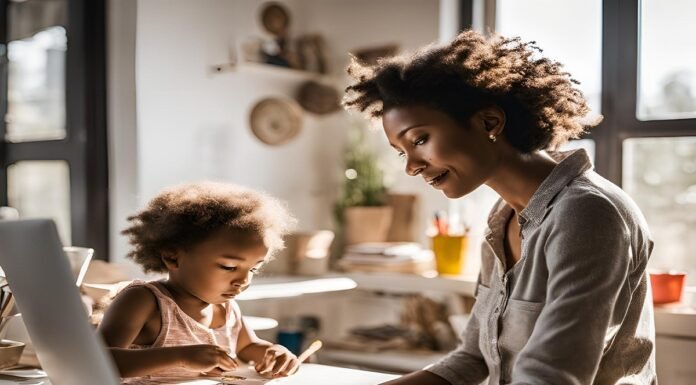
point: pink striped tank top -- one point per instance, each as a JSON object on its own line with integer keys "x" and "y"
{"x": 178, "y": 328}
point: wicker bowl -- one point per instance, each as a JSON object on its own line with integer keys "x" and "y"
{"x": 10, "y": 352}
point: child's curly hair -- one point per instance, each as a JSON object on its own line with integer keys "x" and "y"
{"x": 182, "y": 216}
{"x": 544, "y": 109}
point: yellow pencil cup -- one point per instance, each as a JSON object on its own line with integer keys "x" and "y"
{"x": 450, "y": 251}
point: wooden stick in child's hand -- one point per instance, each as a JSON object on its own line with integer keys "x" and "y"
{"x": 316, "y": 345}
{"x": 313, "y": 348}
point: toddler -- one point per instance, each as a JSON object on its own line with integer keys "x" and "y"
{"x": 211, "y": 238}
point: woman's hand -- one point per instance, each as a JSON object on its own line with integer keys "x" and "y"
{"x": 277, "y": 362}
{"x": 207, "y": 359}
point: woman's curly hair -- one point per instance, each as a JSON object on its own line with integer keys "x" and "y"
{"x": 183, "y": 216}
{"x": 543, "y": 107}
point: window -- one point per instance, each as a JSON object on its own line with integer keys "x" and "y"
{"x": 41, "y": 189}
{"x": 36, "y": 86}
{"x": 53, "y": 126}
{"x": 667, "y": 60}
{"x": 578, "y": 45}
{"x": 660, "y": 175}
{"x": 568, "y": 31}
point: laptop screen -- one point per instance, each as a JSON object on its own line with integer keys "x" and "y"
{"x": 43, "y": 285}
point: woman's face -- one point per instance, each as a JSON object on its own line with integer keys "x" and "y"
{"x": 449, "y": 156}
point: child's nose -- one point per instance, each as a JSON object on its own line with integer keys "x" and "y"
{"x": 242, "y": 282}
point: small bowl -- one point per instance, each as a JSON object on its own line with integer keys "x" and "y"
{"x": 10, "y": 352}
{"x": 667, "y": 286}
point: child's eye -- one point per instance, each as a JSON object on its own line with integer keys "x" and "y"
{"x": 420, "y": 140}
{"x": 255, "y": 270}
{"x": 401, "y": 154}
{"x": 228, "y": 268}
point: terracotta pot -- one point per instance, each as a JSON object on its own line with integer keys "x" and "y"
{"x": 305, "y": 253}
{"x": 666, "y": 286}
{"x": 367, "y": 224}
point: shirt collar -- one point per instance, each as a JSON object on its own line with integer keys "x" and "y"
{"x": 570, "y": 165}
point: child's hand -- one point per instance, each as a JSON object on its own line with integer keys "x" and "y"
{"x": 208, "y": 359}
{"x": 277, "y": 362}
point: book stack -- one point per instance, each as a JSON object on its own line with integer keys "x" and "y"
{"x": 396, "y": 257}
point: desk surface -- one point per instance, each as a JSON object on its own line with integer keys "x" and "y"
{"x": 309, "y": 374}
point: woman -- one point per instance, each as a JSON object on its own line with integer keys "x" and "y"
{"x": 562, "y": 295}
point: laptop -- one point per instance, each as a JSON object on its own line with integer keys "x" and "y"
{"x": 43, "y": 285}
{"x": 67, "y": 346}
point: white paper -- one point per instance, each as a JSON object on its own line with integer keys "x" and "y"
{"x": 247, "y": 375}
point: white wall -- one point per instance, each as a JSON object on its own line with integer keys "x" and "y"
{"x": 193, "y": 124}
{"x": 122, "y": 121}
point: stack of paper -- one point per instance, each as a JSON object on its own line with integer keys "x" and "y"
{"x": 387, "y": 257}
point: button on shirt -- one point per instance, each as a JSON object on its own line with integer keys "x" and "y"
{"x": 576, "y": 308}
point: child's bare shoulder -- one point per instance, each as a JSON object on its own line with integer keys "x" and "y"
{"x": 136, "y": 298}
{"x": 130, "y": 318}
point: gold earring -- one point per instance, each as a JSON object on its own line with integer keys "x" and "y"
{"x": 492, "y": 138}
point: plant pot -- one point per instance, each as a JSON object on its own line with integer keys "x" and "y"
{"x": 367, "y": 224}
{"x": 305, "y": 253}
{"x": 667, "y": 286}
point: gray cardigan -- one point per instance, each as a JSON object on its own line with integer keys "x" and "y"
{"x": 577, "y": 308}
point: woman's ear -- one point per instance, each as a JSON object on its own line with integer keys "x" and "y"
{"x": 170, "y": 260}
{"x": 492, "y": 119}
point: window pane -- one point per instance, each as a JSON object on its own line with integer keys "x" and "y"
{"x": 667, "y": 70}
{"x": 41, "y": 189}
{"x": 569, "y": 31}
{"x": 36, "y": 86}
{"x": 660, "y": 175}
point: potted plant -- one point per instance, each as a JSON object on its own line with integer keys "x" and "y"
{"x": 362, "y": 207}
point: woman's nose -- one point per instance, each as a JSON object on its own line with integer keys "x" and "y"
{"x": 414, "y": 166}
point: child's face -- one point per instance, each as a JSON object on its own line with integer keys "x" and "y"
{"x": 220, "y": 267}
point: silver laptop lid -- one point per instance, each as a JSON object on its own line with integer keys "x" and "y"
{"x": 39, "y": 275}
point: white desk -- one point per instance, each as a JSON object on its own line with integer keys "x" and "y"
{"x": 309, "y": 374}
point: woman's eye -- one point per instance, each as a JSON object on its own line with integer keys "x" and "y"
{"x": 228, "y": 268}
{"x": 420, "y": 140}
{"x": 255, "y": 270}
{"x": 401, "y": 154}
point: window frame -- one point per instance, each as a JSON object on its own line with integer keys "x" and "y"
{"x": 620, "y": 38}
{"x": 84, "y": 147}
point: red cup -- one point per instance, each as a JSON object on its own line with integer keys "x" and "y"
{"x": 667, "y": 286}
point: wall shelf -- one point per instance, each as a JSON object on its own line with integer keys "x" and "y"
{"x": 269, "y": 70}
{"x": 396, "y": 361}
{"x": 284, "y": 287}
{"x": 678, "y": 320}
{"x": 290, "y": 286}
{"x": 410, "y": 283}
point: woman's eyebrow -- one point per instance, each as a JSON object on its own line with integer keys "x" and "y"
{"x": 405, "y": 130}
